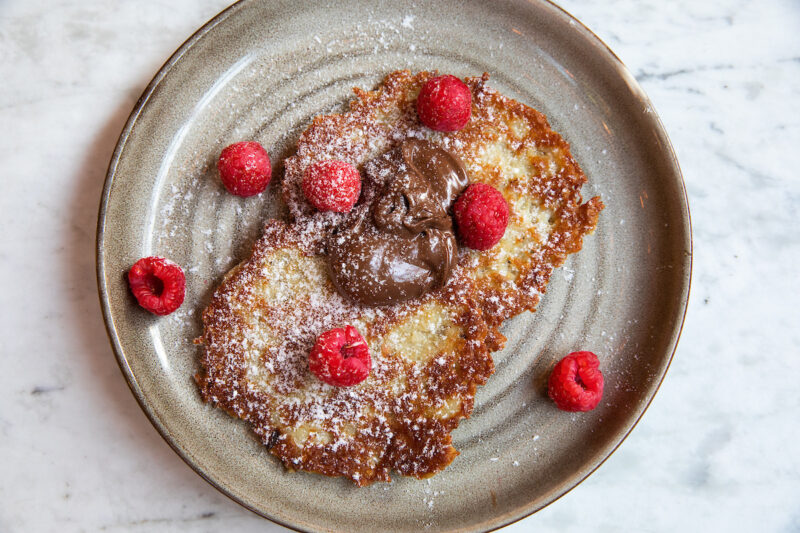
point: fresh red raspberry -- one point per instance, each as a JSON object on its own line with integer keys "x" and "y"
{"x": 481, "y": 216}
{"x": 244, "y": 168}
{"x": 340, "y": 357}
{"x": 158, "y": 284}
{"x": 576, "y": 383}
{"x": 444, "y": 103}
{"x": 332, "y": 185}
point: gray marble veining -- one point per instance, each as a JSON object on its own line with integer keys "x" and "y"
{"x": 715, "y": 451}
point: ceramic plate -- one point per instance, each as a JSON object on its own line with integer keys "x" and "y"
{"x": 261, "y": 70}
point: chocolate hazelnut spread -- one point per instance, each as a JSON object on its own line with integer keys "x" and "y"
{"x": 404, "y": 245}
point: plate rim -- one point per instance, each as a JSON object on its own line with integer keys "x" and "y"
{"x": 503, "y": 520}
{"x": 119, "y": 354}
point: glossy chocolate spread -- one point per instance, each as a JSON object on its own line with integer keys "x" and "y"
{"x": 404, "y": 245}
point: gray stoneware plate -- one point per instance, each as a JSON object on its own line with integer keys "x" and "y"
{"x": 261, "y": 70}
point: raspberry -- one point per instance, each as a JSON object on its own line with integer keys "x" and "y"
{"x": 340, "y": 357}
{"x": 481, "y": 216}
{"x": 332, "y": 185}
{"x": 158, "y": 284}
{"x": 444, "y": 103}
{"x": 576, "y": 383}
{"x": 244, "y": 168}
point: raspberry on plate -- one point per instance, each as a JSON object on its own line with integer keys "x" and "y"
{"x": 481, "y": 215}
{"x": 576, "y": 383}
{"x": 158, "y": 284}
{"x": 444, "y": 103}
{"x": 332, "y": 185}
{"x": 244, "y": 168}
{"x": 340, "y": 357}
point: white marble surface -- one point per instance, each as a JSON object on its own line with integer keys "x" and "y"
{"x": 718, "y": 449}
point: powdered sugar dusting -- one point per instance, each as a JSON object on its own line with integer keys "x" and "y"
{"x": 430, "y": 354}
{"x": 263, "y": 322}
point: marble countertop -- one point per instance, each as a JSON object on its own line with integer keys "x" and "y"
{"x": 717, "y": 450}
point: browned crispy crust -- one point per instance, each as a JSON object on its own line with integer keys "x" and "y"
{"x": 400, "y": 429}
{"x": 379, "y": 120}
{"x": 400, "y": 433}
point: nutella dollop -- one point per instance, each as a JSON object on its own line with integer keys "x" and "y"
{"x": 404, "y": 245}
